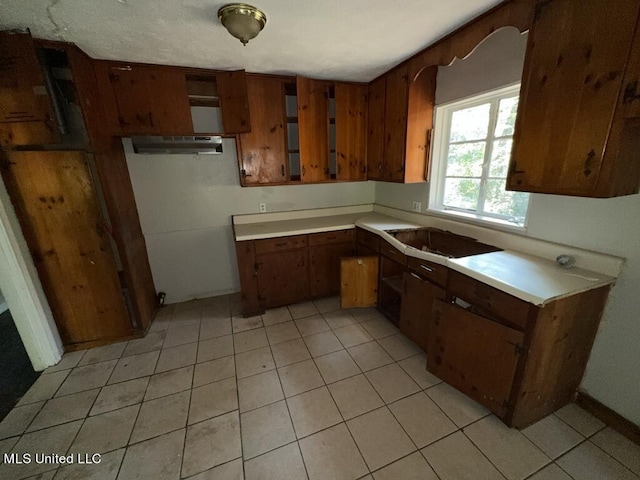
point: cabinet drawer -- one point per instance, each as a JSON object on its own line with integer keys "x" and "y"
{"x": 393, "y": 253}
{"x": 429, "y": 270}
{"x": 329, "y": 238}
{"x": 495, "y": 302}
{"x": 368, "y": 239}
{"x": 268, "y": 245}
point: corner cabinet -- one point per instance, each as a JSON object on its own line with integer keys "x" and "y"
{"x": 400, "y": 125}
{"x": 519, "y": 360}
{"x": 578, "y": 126}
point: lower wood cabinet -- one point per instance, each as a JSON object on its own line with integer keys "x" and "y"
{"x": 417, "y": 295}
{"x": 285, "y": 270}
{"x": 519, "y": 360}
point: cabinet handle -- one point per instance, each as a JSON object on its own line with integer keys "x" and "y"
{"x": 414, "y": 275}
{"x": 304, "y": 170}
{"x": 282, "y": 169}
{"x": 428, "y": 269}
{"x": 332, "y": 238}
{"x": 281, "y": 244}
{"x": 151, "y": 119}
{"x": 243, "y": 172}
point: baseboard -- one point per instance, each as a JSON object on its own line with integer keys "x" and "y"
{"x": 608, "y": 416}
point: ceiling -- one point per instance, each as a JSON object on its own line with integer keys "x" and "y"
{"x": 337, "y": 39}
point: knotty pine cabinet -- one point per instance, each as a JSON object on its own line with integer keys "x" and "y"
{"x": 519, "y": 360}
{"x": 414, "y": 317}
{"x": 400, "y": 124}
{"x": 262, "y": 153}
{"x": 158, "y": 100}
{"x": 26, "y": 112}
{"x": 285, "y": 270}
{"x": 578, "y": 126}
{"x": 332, "y": 123}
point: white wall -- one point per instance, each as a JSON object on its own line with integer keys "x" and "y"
{"x": 185, "y": 204}
{"x": 610, "y": 226}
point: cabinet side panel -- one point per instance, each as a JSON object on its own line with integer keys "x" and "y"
{"x": 313, "y": 129}
{"x": 351, "y": 131}
{"x": 375, "y": 129}
{"x": 232, "y": 89}
{"x": 395, "y": 125}
{"x": 246, "y": 258}
{"x": 559, "y": 349}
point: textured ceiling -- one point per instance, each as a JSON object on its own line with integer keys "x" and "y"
{"x": 338, "y": 39}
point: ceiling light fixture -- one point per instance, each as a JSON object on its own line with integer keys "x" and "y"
{"x": 242, "y": 21}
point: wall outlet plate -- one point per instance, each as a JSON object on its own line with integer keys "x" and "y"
{"x": 417, "y": 206}
{"x": 263, "y": 208}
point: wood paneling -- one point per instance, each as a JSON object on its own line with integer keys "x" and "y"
{"x": 58, "y": 210}
{"x": 359, "y": 282}
{"x": 263, "y": 151}
{"x": 375, "y": 129}
{"x": 26, "y": 114}
{"x": 232, "y": 90}
{"x": 574, "y": 68}
{"x": 313, "y": 129}
{"x": 417, "y": 305}
{"x": 118, "y": 191}
{"x": 351, "y": 131}
{"x": 475, "y": 355}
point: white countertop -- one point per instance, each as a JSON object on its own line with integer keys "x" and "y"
{"x": 533, "y": 279}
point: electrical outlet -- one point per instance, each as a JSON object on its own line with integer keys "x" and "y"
{"x": 417, "y": 206}
{"x": 263, "y": 208}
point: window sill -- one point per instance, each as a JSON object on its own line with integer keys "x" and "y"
{"x": 480, "y": 220}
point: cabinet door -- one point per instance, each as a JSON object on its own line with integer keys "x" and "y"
{"x": 395, "y": 126}
{"x": 283, "y": 277}
{"x": 58, "y": 210}
{"x": 473, "y": 354}
{"x": 313, "y": 129}
{"x": 150, "y": 100}
{"x": 26, "y": 116}
{"x": 375, "y": 130}
{"x": 359, "y": 282}
{"x": 575, "y": 61}
{"x": 417, "y": 304}
{"x": 324, "y": 264}
{"x": 263, "y": 151}
{"x": 351, "y": 131}
{"x": 232, "y": 90}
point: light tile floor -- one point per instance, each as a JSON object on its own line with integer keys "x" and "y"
{"x": 308, "y": 391}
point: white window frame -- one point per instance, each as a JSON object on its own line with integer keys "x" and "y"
{"x": 439, "y": 152}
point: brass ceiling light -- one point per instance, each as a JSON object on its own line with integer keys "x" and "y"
{"x": 242, "y": 21}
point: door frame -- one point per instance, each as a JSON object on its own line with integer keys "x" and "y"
{"x": 23, "y": 291}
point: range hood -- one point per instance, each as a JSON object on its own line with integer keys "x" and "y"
{"x": 201, "y": 144}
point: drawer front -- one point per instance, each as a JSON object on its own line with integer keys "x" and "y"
{"x": 368, "y": 239}
{"x": 393, "y": 253}
{"x": 428, "y": 270}
{"x": 498, "y": 303}
{"x": 330, "y": 238}
{"x": 278, "y": 244}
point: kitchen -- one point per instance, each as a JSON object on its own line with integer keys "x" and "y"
{"x": 181, "y": 223}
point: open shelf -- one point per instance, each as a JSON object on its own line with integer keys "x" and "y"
{"x": 394, "y": 282}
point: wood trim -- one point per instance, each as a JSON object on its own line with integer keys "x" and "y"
{"x": 612, "y": 419}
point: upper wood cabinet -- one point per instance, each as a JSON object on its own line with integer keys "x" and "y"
{"x": 401, "y": 113}
{"x": 263, "y": 151}
{"x": 351, "y": 131}
{"x": 159, "y": 100}
{"x": 313, "y": 129}
{"x": 26, "y": 114}
{"x": 578, "y": 126}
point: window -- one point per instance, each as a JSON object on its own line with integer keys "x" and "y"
{"x": 471, "y": 158}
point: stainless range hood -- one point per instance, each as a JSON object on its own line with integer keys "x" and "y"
{"x": 201, "y": 144}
